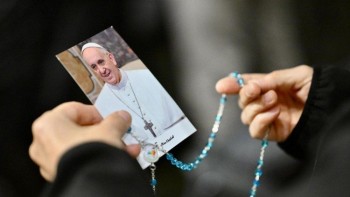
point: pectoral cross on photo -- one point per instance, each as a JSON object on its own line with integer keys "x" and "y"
{"x": 148, "y": 126}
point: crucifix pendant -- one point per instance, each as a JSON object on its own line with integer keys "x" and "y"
{"x": 148, "y": 126}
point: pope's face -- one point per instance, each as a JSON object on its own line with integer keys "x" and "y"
{"x": 103, "y": 64}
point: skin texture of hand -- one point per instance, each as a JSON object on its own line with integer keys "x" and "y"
{"x": 71, "y": 124}
{"x": 273, "y": 101}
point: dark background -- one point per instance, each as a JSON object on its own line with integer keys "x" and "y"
{"x": 32, "y": 32}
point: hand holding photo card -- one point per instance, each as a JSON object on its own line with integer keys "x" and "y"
{"x": 114, "y": 78}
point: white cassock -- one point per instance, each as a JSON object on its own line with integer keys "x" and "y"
{"x": 140, "y": 93}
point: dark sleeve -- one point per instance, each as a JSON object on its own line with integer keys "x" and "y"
{"x": 330, "y": 89}
{"x": 327, "y": 174}
{"x": 97, "y": 169}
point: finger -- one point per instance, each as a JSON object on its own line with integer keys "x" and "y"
{"x": 262, "y": 121}
{"x": 46, "y": 175}
{"x": 294, "y": 78}
{"x": 33, "y": 153}
{"x": 265, "y": 102}
{"x": 37, "y": 157}
{"x": 250, "y": 92}
{"x": 252, "y": 76}
{"x": 120, "y": 120}
{"x": 117, "y": 123}
{"x": 36, "y": 153}
{"x": 79, "y": 113}
{"x": 133, "y": 150}
{"x": 227, "y": 85}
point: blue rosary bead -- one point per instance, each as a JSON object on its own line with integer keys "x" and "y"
{"x": 153, "y": 182}
{"x": 256, "y": 182}
{"x": 238, "y": 77}
{"x": 202, "y": 156}
{"x": 258, "y": 172}
{"x": 212, "y": 135}
{"x": 218, "y": 118}
{"x": 173, "y": 161}
{"x": 234, "y": 74}
{"x": 169, "y": 156}
{"x": 240, "y": 82}
{"x": 204, "y": 152}
{"x": 178, "y": 164}
{"x": 188, "y": 167}
{"x": 223, "y": 100}
{"x": 264, "y": 143}
{"x": 209, "y": 145}
{"x": 252, "y": 193}
{"x": 197, "y": 162}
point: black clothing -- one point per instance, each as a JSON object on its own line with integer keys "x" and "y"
{"x": 97, "y": 169}
{"x": 321, "y": 137}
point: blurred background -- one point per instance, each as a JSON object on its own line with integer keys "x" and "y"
{"x": 188, "y": 45}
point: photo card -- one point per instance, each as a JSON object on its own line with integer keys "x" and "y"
{"x": 114, "y": 78}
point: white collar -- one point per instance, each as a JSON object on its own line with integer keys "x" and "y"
{"x": 122, "y": 83}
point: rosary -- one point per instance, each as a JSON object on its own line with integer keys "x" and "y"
{"x": 151, "y": 153}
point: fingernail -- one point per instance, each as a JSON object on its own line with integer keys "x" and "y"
{"x": 268, "y": 97}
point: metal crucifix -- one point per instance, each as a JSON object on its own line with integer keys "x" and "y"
{"x": 148, "y": 126}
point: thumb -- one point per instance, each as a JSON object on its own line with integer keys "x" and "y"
{"x": 227, "y": 85}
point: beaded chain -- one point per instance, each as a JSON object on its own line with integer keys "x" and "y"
{"x": 190, "y": 166}
{"x": 258, "y": 171}
{"x": 206, "y": 149}
{"x": 153, "y": 179}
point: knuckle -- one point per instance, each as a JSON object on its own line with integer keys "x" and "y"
{"x": 303, "y": 67}
{"x": 273, "y": 74}
{"x": 69, "y": 105}
{"x": 69, "y": 108}
{"x": 37, "y": 126}
{"x": 33, "y": 154}
{"x": 31, "y": 151}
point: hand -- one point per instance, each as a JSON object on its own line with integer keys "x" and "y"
{"x": 69, "y": 125}
{"x": 271, "y": 101}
